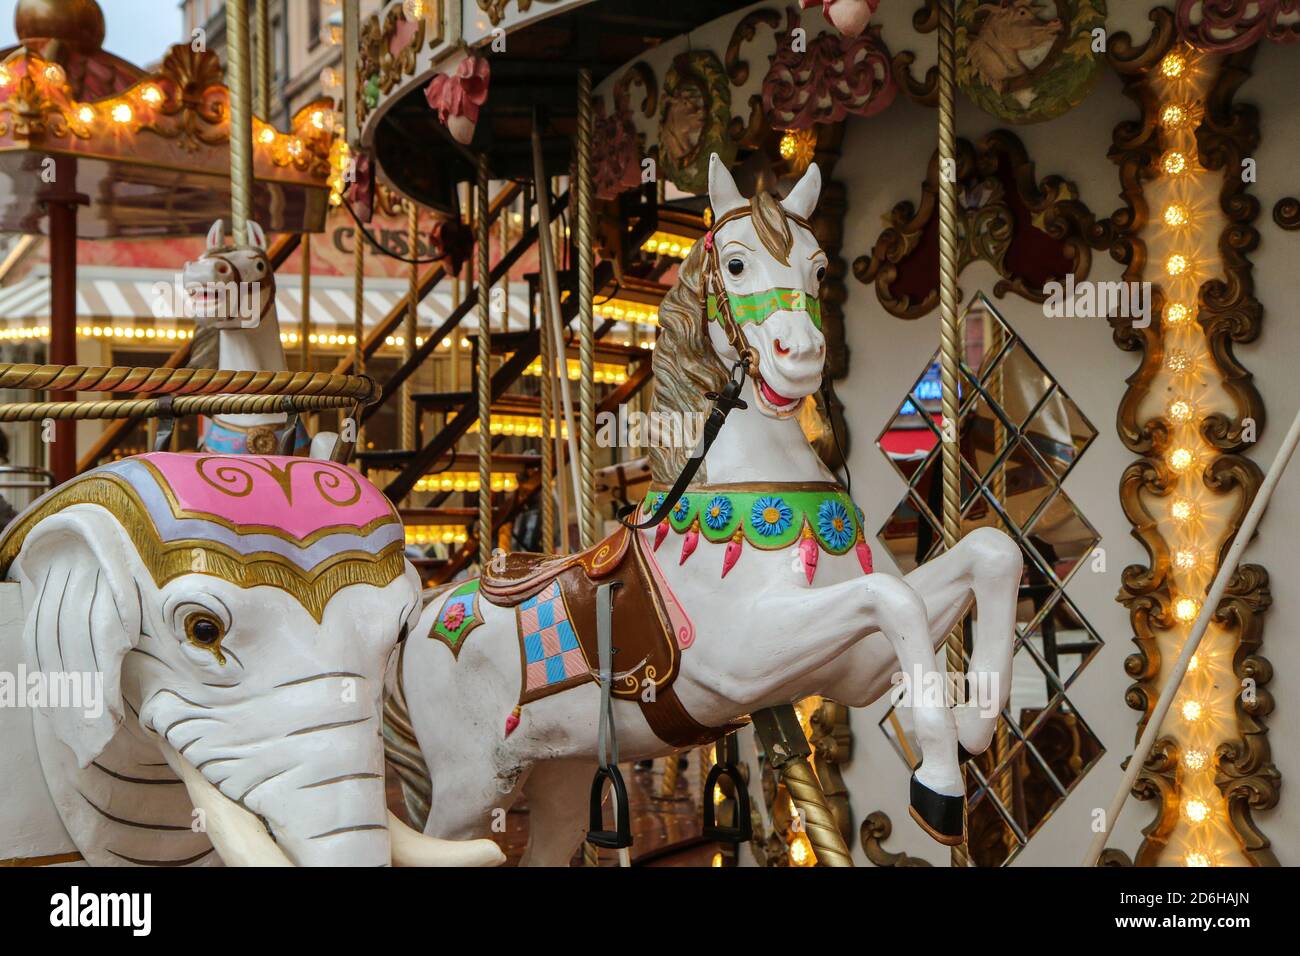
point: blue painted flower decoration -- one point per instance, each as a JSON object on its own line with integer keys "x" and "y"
{"x": 771, "y": 516}
{"x": 834, "y": 524}
{"x": 718, "y": 512}
{"x": 680, "y": 509}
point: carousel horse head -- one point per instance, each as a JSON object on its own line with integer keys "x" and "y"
{"x": 763, "y": 269}
{"x": 240, "y": 612}
{"x": 231, "y": 287}
{"x": 749, "y": 287}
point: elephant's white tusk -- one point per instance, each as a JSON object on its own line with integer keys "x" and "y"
{"x": 237, "y": 835}
{"x": 411, "y": 848}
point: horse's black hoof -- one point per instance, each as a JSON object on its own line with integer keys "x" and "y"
{"x": 940, "y": 815}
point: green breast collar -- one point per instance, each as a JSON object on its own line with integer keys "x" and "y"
{"x": 815, "y": 516}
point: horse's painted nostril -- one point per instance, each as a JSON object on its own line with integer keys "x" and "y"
{"x": 780, "y": 347}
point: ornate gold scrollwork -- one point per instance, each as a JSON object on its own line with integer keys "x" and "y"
{"x": 1228, "y": 314}
{"x": 873, "y": 833}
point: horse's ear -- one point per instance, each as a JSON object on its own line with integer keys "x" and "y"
{"x": 256, "y": 237}
{"x": 803, "y": 198}
{"x": 723, "y": 194}
{"x": 216, "y": 235}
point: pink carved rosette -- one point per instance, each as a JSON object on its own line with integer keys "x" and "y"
{"x": 618, "y": 161}
{"x": 850, "y": 17}
{"x": 834, "y": 77}
{"x": 458, "y": 97}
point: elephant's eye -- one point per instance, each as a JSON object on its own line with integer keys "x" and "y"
{"x": 205, "y": 630}
{"x": 735, "y": 266}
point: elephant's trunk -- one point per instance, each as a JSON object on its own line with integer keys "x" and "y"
{"x": 242, "y": 839}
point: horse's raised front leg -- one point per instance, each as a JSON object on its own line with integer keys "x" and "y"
{"x": 983, "y": 567}
{"x": 793, "y": 633}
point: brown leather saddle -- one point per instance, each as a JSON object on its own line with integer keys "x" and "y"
{"x": 555, "y": 609}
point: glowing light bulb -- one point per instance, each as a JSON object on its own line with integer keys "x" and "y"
{"x": 1177, "y": 313}
{"x": 5, "y": 76}
{"x": 1172, "y": 117}
{"x": 801, "y": 851}
{"x": 151, "y": 95}
{"x": 414, "y": 9}
{"x": 295, "y": 147}
{"x": 1172, "y": 66}
{"x": 1180, "y": 410}
{"x": 1186, "y": 609}
{"x": 1174, "y": 163}
{"x": 1194, "y": 663}
{"x": 122, "y": 113}
{"x": 318, "y": 119}
{"x": 85, "y": 115}
{"x": 1195, "y": 760}
{"x": 54, "y": 74}
{"x": 266, "y": 135}
{"x": 1175, "y": 215}
{"x": 788, "y": 144}
{"x": 716, "y": 861}
{"x": 1192, "y": 711}
{"x": 1182, "y": 509}
{"x": 1178, "y": 360}
{"x": 1180, "y": 459}
{"x": 1196, "y": 858}
{"x": 1196, "y": 810}
{"x": 1176, "y": 265}
{"x": 1185, "y": 559}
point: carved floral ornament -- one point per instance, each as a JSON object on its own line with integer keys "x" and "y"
{"x": 1226, "y": 26}
{"x": 1032, "y": 232}
{"x": 834, "y": 77}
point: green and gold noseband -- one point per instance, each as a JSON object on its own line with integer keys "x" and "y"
{"x": 757, "y": 307}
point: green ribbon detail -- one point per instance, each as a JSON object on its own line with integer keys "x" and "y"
{"x": 757, "y": 307}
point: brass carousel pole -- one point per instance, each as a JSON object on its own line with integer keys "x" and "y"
{"x": 484, "y": 367}
{"x": 546, "y": 357}
{"x": 412, "y": 309}
{"x": 262, "y": 19}
{"x": 950, "y": 345}
{"x": 351, "y": 97}
{"x": 241, "y": 119}
{"x": 586, "y": 331}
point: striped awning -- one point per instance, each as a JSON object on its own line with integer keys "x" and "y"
{"x": 126, "y": 296}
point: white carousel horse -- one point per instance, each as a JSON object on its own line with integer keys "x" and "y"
{"x": 766, "y": 583}
{"x": 232, "y": 289}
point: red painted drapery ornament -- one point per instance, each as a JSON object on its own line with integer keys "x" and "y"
{"x": 835, "y": 76}
{"x": 452, "y": 241}
{"x": 618, "y": 160}
{"x": 361, "y": 194}
{"x": 458, "y": 97}
{"x": 850, "y": 17}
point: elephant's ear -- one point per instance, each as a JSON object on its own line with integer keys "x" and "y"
{"x": 77, "y": 570}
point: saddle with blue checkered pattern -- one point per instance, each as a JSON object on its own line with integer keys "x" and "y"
{"x": 555, "y": 611}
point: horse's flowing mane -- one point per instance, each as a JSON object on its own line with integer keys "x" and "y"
{"x": 685, "y": 364}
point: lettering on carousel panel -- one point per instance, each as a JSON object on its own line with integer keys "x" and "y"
{"x": 1025, "y": 61}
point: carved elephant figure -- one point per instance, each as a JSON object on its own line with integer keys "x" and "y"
{"x": 239, "y": 614}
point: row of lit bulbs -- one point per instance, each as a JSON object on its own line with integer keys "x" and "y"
{"x": 667, "y": 244}
{"x": 604, "y": 373}
{"x": 1197, "y": 807}
{"x": 467, "y": 481}
{"x": 426, "y": 534}
{"x": 125, "y": 110}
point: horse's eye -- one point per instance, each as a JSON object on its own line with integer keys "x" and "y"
{"x": 735, "y": 267}
{"x": 821, "y": 273}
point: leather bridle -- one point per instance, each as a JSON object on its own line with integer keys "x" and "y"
{"x": 715, "y": 286}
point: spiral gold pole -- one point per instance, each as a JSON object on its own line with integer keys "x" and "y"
{"x": 239, "y": 80}
{"x": 484, "y": 380}
{"x": 586, "y": 330}
{"x": 787, "y": 749}
{"x": 547, "y": 490}
{"x": 179, "y": 408}
{"x": 818, "y": 820}
{"x": 409, "y": 412}
{"x": 181, "y": 381}
{"x": 668, "y": 782}
{"x": 950, "y": 346}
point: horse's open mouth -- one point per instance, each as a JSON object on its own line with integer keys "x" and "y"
{"x": 774, "y": 398}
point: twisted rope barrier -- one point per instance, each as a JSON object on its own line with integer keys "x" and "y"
{"x": 184, "y": 381}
